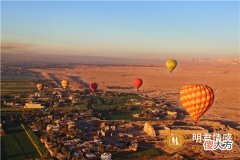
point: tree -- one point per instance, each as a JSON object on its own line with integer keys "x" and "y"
{"x": 59, "y": 147}
{"x": 63, "y": 150}
{"x": 64, "y": 130}
{"x": 46, "y": 154}
{"x": 68, "y": 155}
{"x": 100, "y": 148}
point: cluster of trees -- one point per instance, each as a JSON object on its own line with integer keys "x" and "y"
{"x": 119, "y": 87}
{"x": 111, "y": 99}
{"x": 59, "y": 147}
{"x": 40, "y": 148}
{"x": 9, "y": 118}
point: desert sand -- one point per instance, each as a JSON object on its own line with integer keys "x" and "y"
{"x": 158, "y": 82}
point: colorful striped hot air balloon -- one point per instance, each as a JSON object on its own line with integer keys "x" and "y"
{"x": 171, "y": 64}
{"x": 64, "y": 84}
{"x": 196, "y": 99}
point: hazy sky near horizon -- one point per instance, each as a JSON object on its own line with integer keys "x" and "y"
{"x": 122, "y": 29}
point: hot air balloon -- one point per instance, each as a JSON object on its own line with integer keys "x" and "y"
{"x": 64, "y": 84}
{"x": 137, "y": 83}
{"x": 40, "y": 86}
{"x": 171, "y": 64}
{"x": 196, "y": 99}
{"x": 93, "y": 86}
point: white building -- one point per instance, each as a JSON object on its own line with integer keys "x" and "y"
{"x": 90, "y": 156}
{"x": 33, "y": 105}
{"x": 54, "y": 128}
{"x": 106, "y": 156}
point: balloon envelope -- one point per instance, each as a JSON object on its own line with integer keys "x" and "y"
{"x": 93, "y": 86}
{"x": 137, "y": 83}
{"x": 171, "y": 64}
{"x": 40, "y": 86}
{"x": 196, "y": 99}
{"x": 64, "y": 84}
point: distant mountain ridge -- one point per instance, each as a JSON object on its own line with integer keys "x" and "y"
{"x": 80, "y": 59}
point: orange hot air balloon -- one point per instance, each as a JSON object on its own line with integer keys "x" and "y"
{"x": 64, "y": 84}
{"x": 40, "y": 86}
{"x": 137, "y": 83}
{"x": 196, "y": 99}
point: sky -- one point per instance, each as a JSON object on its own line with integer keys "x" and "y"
{"x": 121, "y": 29}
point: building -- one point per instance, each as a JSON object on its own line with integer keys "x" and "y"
{"x": 2, "y": 132}
{"x": 106, "y": 156}
{"x": 173, "y": 114}
{"x": 71, "y": 124}
{"x": 160, "y": 130}
{"x": 148, "y": 128}
{"x": 33, "y": 105}
{"x": 54, "y": 128}
{"x": 61, "y": 156}
{"x": 136, "y": 115}
{"x": 90, "y": 156}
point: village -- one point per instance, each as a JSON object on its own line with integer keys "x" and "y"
{"x": 81, "y": 124}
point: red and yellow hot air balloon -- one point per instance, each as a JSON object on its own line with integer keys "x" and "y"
{"x": 40, "y": 86}
{"x": 64, "y": 84}
{"x": 196, "y": 99}
{"x": 137, "y": 83}
{"x": 93, "y": 86}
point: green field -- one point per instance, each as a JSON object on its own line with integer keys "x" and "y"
{"x": 14, "y": 87}
{"x": 120, "y": 115}
{"x": 16, "y": 83}
{"x": 16, "y": 145}
{"x": 113, "y": 110}
{"x": 9, "y": 113}
{"x": 13, "y": 109}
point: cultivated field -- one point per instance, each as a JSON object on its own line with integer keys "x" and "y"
{"x": 16, "y": 83}
{"x": 16, "y": 145}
